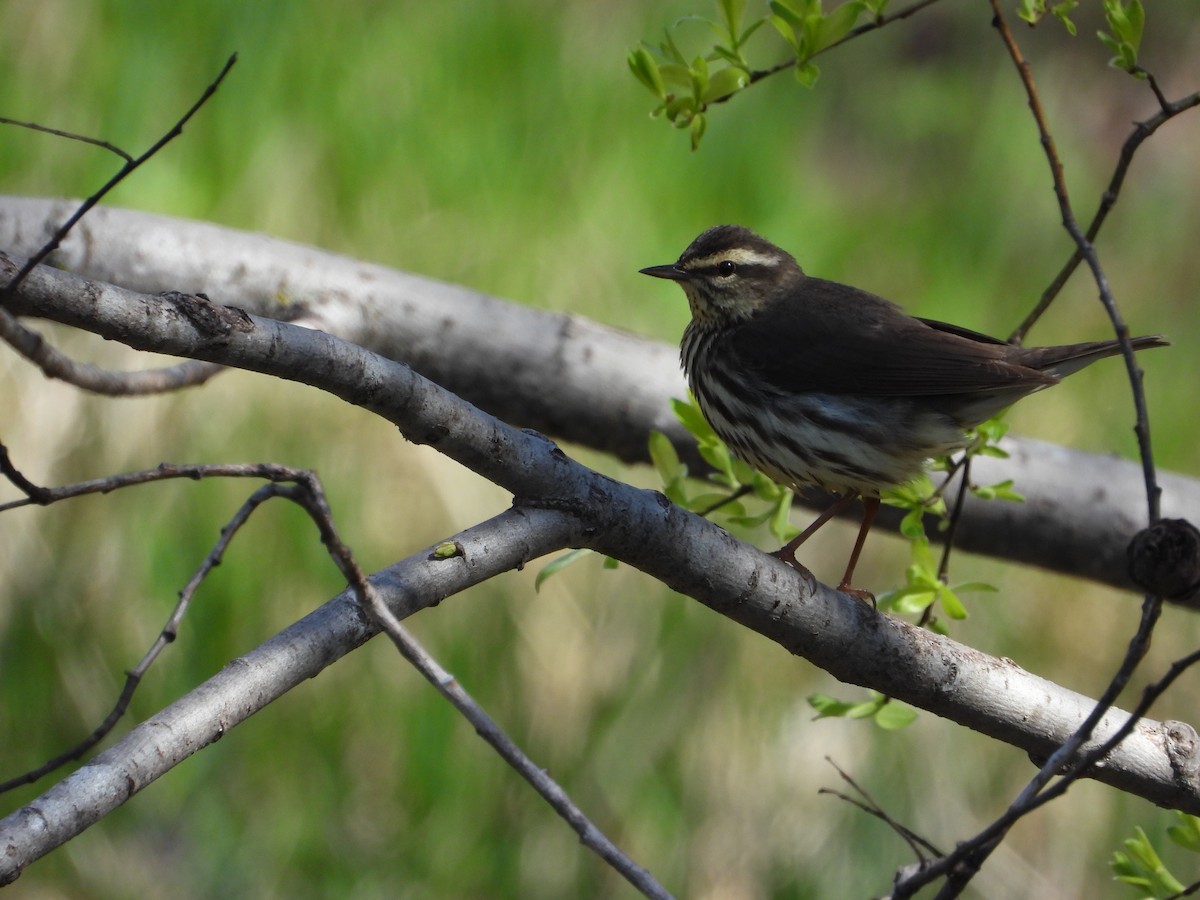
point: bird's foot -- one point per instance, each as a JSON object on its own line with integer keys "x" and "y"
{"x": 790, "y": 558}
{"x": 858, "y": 594}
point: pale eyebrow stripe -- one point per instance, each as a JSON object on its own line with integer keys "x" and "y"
{"x": 740, "y": 255}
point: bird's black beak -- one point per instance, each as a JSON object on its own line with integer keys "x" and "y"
{"x": 671, "y": 272}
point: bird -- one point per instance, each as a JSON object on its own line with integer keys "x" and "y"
{"x": 813, "y": 382}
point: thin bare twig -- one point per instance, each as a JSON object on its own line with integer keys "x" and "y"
{"x": 964, "y": 485}
{"x": 1141, "y": 131}
{"x": 69, "y": 135}
{"x": 54, "y": 363}
{"x": 486, "y": 728}
{"x": 868, "y": 804}
{"x": 63, "y": 230}
{"x": 1088, "y": 252}
{"x": 35, "y": 493}
{"x": 274, "y": 473}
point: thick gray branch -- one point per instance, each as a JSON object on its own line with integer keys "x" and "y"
{"x": 562, "y": 375}
{"x": 843, "y": 636}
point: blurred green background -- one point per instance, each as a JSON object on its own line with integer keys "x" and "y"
{"x": 507, "y": 147}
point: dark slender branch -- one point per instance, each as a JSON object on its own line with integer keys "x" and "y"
{"x": 741, "y": 492}
{"x": 964, "y": 485}
{"x": 63, "y": 230}
{"x": 170, "y": 630}
{"x": 34, "y": 493}
{"x": 56, "y": 364}
{"x": 69, "y": 135}
{"x": 253, "y": 681}
{"x": 1189, "y": 891}
{"x": 964, "y": 862}
{"x": 162, "y": 472}
{"x": 870, "y": 805}
{"x": 487, "y": 729}
{"x": 53, "y": 362}
{"x": 1141, "y": 131}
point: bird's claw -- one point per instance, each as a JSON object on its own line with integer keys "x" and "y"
{"x": 858, "y": 594}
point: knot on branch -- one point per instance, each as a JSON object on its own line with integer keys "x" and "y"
{"x": 1182, "y": 744}
{"x": 209, "y": 318}
{"x": 1164, "y": 559}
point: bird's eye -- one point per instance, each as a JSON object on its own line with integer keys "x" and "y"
{"x": 726, "y": 267}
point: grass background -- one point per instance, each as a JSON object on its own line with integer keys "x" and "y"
{"x": 506, "y": 147}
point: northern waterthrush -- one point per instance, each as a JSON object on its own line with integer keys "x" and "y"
{"x": 814, "y": 382}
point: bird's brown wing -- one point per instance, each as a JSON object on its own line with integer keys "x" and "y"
{"x": 840, "y": 340}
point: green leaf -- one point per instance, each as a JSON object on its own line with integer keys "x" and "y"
{"x": 665, "y": 459}
{"x": 807, "y": 74}
{"x": 910, "y": 601}
{"x": 734, "y": 59}
{"x": 1187, "y": 833}
{"x": 751, "y": 521}
{"x": 764, "y": 488}
{"x": 750, "y": 29}
{"x": 558, "y": 565}
{"x": 781, "y": 523}
{"x": 1004, "y": 491}
{"x": 893, "y": 716}
{"x": 731, "y": 14}
{"x": 912, "y": 526}
{"x": 787, "y": 32}
{"x": 976, "y": 586}
{"x": 727, "y": 81}
{"x": 787, "y": 17}
{"x": 1062, "y": 12}
{"x": 828, "y": 30}
{"x": 1031, "y": 11}
{"x": 951, "y": 604}
{"x": 994, "y": 428}
{"x": 680, "y": 111}
{"x": 688, "y": 413}
{"x": 1141, "y": 866}
{"x": 717, "y": 455}
{"x": 643, "y": 66}
{"x": 676, "y": 74}
{"x": 671, "y": 50}
{"x": 827, "y": 706}
{"x": 864, "y": 710}
{"x": 1126, "y": 21}
{"x": 708, "y": 501}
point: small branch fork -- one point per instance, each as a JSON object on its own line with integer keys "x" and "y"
{"x": 56, "y": 364}
{"x": 303, "y": 488}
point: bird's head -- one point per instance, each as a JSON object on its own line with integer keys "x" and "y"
{"x": 729, "y": 273}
